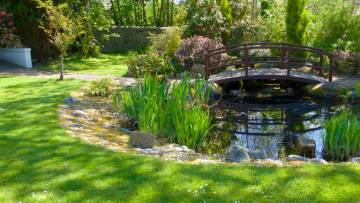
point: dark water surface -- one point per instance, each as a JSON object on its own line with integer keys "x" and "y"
{"x": 275, "y": 127}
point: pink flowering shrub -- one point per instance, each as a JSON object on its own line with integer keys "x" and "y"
{"x": 8, "y": 38}
{"x": 192, "y": 51}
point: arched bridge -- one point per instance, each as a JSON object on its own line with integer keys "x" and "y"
{"x": 267, "y": 61}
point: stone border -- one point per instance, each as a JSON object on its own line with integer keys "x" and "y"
{"x": 80, "y": 116}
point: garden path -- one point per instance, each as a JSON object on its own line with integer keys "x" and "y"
{"x": 12, "y": 69}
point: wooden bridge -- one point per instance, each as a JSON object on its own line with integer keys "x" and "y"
{"x": 267, "y": 61}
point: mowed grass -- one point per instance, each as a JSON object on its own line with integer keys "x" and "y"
{"x": 104, "y": 64}
{"x": 41, "y": 162}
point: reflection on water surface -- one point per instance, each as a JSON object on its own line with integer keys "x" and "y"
{"x": 276, "y": 130}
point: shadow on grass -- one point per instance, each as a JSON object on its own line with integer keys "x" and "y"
{"x": 37, "y": 155}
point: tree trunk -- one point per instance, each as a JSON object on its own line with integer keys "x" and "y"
{"x": 161, "y": 13}
{"x": 115, "y": 16}
{"x": 134, "y": 4}
{"x": 62, "y": 67}
{"x": 154, "y": 12}
{"x": 144, "y": 12}
{"x": 172, "y": 13}
{"x": 120, "y": 17}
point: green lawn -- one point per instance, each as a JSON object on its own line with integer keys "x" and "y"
{"x": 105, "y": 64}
{"x": 40, "y": 162}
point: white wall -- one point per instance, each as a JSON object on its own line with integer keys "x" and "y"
{"x": 19, "y": 56}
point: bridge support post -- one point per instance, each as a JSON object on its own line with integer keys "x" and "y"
{"x": 246, "y": 61}
{"x": 207, "y": 68}
{"x": 321, "y": 62}
{"x": 331, "y": 66}
{"x": 286, "y": 60}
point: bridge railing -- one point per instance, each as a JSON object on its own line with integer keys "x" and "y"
{"x": 286, "y": 60}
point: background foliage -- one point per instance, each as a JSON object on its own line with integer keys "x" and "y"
{"x": 330, "y": 25}
{"x": 8, "y": 32}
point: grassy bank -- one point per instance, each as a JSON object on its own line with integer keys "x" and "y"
{"x": 105, "y": 64}
{"x": 40, "y": 162}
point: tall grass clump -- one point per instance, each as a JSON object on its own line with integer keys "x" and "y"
{"x": 103, "y": 87}
{"x": 175, "y": 111}
{"x": 342, "y": 136}
{"x": 357, "y": 89}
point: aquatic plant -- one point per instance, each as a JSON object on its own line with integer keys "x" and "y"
{"x": 357, "y": 89}
{"x": 174, "y": 111}
{"x": 342, "y": 136}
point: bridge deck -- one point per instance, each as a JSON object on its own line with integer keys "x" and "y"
{"x": 265, "y": 73}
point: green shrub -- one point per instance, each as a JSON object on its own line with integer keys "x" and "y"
{"x": 342, "y": 136}
{"x": 167, "y": 42}
{"x": 153, "y": 64}
{"x": 207, "y": 20}
{"x": 103, "y": 87}
{"x": 173, "y": 111}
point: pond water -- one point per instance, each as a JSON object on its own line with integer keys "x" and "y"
{"x": 275, "y": 126}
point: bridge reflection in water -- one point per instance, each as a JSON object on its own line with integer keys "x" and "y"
{"x": 274, "y": 129}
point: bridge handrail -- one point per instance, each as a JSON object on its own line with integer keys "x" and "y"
{"x": 296, "y": 48}
{"x": 262, "y": 44}
{"x": 286, "y": 60}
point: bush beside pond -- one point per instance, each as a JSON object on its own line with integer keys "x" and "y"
{"x": 103, "y": 87}
{"x": 151, "y": 63}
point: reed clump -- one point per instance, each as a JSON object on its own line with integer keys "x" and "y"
{"x": 342, "y": 136}
{"x": 175, "y": 111}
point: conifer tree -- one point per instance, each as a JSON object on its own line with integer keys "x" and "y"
{"x": 296, "y": 21}
{"x": 226, "y": 12}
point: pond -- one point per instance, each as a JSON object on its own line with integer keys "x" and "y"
{"x": 273, "y": 122}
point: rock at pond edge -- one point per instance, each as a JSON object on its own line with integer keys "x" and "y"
{"x": 141, "y": 140}
{"x": 318, "y": 161}
{"x": 70, "y": 100}
{"x": 355, "y": 160}
{"x": 238, "y": 154}
{"x": 325, "y": 90}
{"x": 297, "y": 158}
{"x": 79, "y": 113}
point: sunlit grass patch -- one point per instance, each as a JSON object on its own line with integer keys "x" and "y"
{"x": 104, "y": 64}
